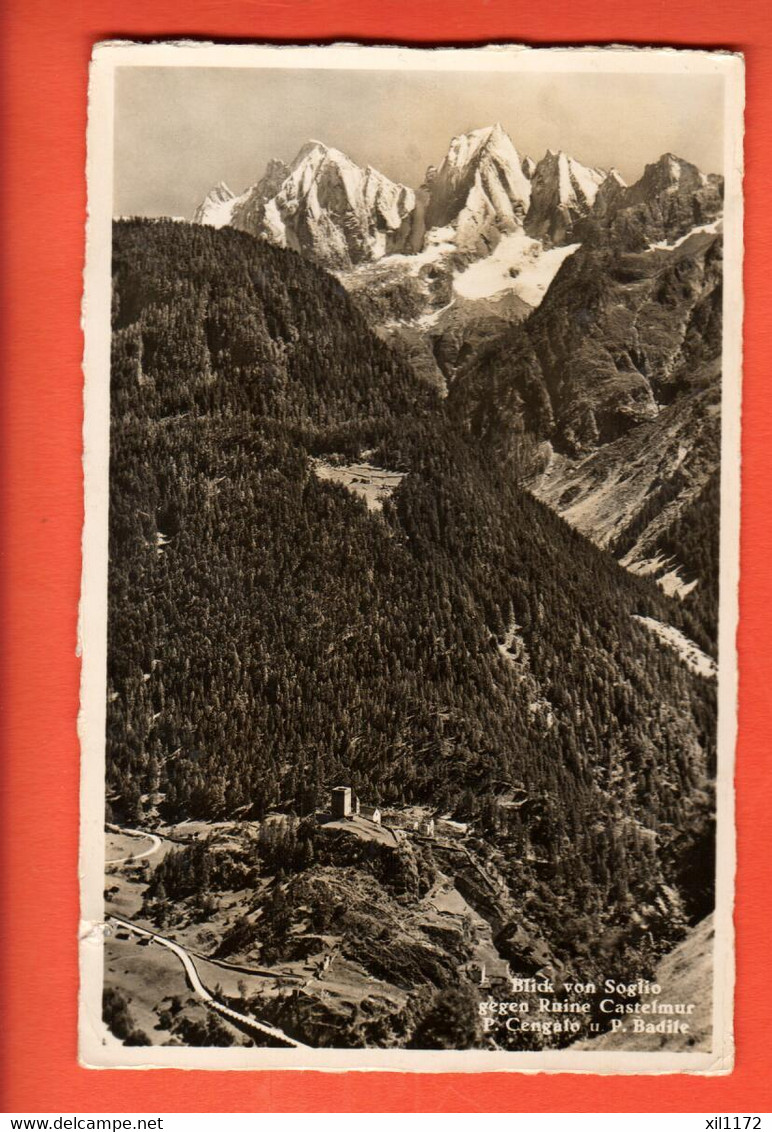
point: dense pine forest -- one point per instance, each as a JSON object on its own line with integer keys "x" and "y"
{"x": 270, "y": 636}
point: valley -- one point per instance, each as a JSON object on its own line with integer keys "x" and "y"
{"x": 413, "y": 490}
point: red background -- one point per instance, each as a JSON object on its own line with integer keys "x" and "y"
{"x": 45, "y": 47}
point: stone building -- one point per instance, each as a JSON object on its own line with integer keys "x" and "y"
{"x": 340, "y": 802}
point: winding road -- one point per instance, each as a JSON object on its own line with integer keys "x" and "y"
{"x": 200, "y": 990}
{"x": 155, "y": 846}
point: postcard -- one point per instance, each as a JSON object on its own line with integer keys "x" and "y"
{"x": 410, "y": 558}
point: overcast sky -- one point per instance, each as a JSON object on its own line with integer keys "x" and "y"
{"x": 180, "y": 130}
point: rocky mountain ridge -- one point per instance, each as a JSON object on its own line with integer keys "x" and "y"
{"x": 325, "y": 205}
{"x": 322, "y": 205}
{"x": 344, "y": 215}
{"x": 606, "y": 400}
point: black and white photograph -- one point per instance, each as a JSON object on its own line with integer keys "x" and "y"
{"x": 410, "y": 558}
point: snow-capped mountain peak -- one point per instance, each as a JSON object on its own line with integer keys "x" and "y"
{"x": 217, "y": 207}
{"x": 323, "y": 204}
{"x": 313, "y": 144}
{"x": 465, "y": 148}
{"x": 563, "y": 191}
{"x": 480, "y": 188}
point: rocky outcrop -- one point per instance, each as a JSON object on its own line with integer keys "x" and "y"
{"x": 606, "y": 401}
{"x": 614, "y": 339}
{"x": 527, "y": 954}
{"x": 626, "y": 494}
{"x": 671, "y": 199}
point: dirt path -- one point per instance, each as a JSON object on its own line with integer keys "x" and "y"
{"x": 244, "y": 969}
{"x": 690, "y": 653}
{"x": 200, "y": 990}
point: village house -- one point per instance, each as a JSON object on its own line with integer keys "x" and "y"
{"x": 497, "y": 976}
{"x": 494, "y": 975}
{"x": 413, "y": 819}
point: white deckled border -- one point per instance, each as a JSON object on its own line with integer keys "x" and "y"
{"x": 97, "y": 1049}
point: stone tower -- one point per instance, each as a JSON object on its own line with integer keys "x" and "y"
{"x": 340, "y": 802}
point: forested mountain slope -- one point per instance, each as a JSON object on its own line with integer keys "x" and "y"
{"x": 575, "y": 320}
{"x": 607, "y": 398}
{"x": 268, "y": 633}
